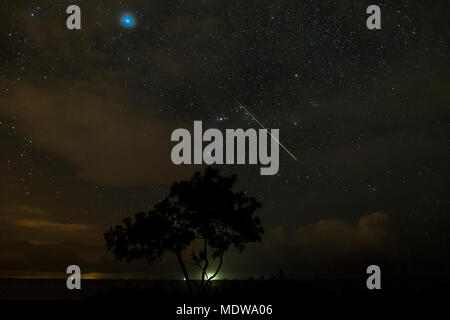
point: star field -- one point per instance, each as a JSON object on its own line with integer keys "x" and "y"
{"x": 86, "y": 117}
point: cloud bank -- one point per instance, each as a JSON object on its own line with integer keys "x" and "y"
{"x": 107, "y": 142}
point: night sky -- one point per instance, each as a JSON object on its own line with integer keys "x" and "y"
{"x": 86, "y": 118}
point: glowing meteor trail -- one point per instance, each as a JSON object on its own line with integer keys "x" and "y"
{"x": 242, "y": 106}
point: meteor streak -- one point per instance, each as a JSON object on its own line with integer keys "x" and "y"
{"x": 242, "y": 106}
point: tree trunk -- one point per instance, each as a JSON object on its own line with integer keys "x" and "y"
{"x": 183, "y": 268}
{"x": 205, "y": 267}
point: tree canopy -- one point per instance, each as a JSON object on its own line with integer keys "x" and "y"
{"x": 203, "y": 211}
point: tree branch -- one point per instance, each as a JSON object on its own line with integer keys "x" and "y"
{"x": 218, "y": 267}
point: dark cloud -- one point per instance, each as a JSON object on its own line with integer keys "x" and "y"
{"x": 328, "y": 247}
{"x": 43, "y": 224}
{"x": 107, "y": 142}
{"x": 26, "y": 210}
{"x": 331, "y": 241}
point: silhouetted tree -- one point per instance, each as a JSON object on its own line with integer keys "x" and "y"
{"x": 203, "y": 210}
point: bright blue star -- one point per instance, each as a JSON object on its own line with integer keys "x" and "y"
{"x": 127, "y": 21}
